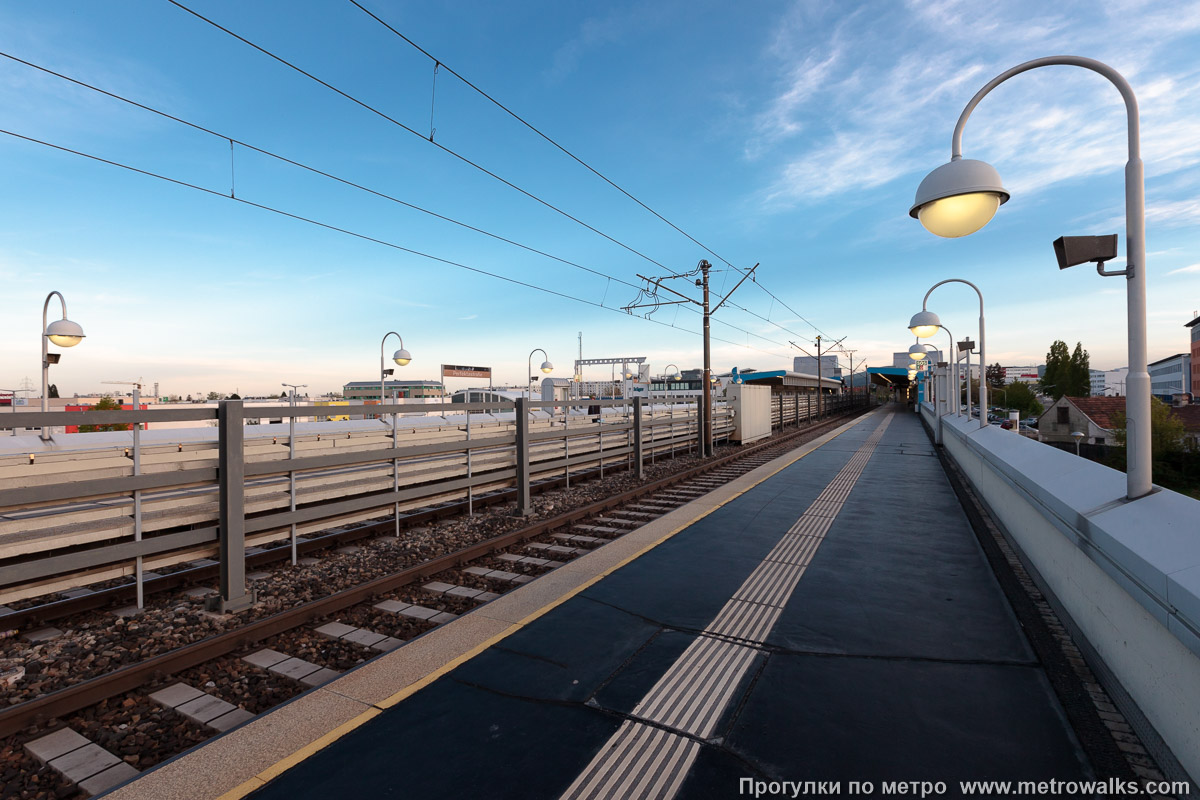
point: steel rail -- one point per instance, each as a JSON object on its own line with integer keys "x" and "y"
{"x": 86, "y": 693}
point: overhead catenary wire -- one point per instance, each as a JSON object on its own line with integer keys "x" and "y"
{"x": 415, "y": 132}
{"x": 536, "y": 130}
{"x": 346, "y": 182}
{"x": 344, "y": 231}
{"x": 300, "y": 165}
{"x": 469, "y": 162}
{"x": 438, "y": 63}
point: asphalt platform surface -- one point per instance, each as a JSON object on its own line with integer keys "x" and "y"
{"x": 894, "y": 656}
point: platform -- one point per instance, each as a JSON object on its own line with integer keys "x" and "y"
{"x": 829, "y": 617}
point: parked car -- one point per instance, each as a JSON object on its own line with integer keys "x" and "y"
{"x": 1030, "y": 422}
{"x": 1006, "y": 424}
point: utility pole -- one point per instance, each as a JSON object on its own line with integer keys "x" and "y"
{"x": 820, "y": 403}
{"x": 706, "y": 385}
{"x": 850, "y": 355}
{"x": 820, "y": 388}
{"x": 653, "y": 285}
{"x": 578, "y": 393}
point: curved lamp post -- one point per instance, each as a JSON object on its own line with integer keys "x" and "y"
{"x": 951, "y": 370}
{"x": 925, "y": 323}
{"x": 401, "y": 357}
{"x": 63, "y": 333}
{"x": 546, "y": 368}
{"x": 672, "y": 375}
{"x": 960, "y": 198}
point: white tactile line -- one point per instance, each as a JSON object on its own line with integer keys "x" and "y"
{"x": 646, "y": 761}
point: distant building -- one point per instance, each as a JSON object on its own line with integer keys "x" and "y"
{"x": 369, "y": 390}
{"x": 807, "y": 365}
{"x": 1167, "y": 376}
{"x": 1108, "y": 382}
{"x": 1094, "y": 417}
{"x": 1091, "y": 416}
{"x": 1020, "y": 374}
{"x": 1194, "y": 383}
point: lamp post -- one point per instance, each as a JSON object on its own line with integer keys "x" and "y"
{"x": 546, "y": 368}
{"x": 951, "y": 373}
{"x": 925, "y": 323}
{"x": 966, "y": 346}
{"x": 917, "y": 353}
{"x": 401, "y": 357}
{"x": 960, "y": 197}
{"x": 63, "y": 333}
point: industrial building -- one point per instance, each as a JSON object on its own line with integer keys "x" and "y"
{"x": 369, "y": 390}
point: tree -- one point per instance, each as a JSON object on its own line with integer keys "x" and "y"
{"x": 1057, "y": 376}
{"x": 283, "y": 395}
{"x": 1020, "y": 398}
{"x": 106, "y": 403}
{"x": 52, "y": 391}
{"x": 1166, "y": 429}
{"x": 1079, "y": 373}
{"x": 962, "y": 392}
{"x": 214, "y": 395}
{"x": 234, "y": 396}
{"x": 995, "y": 376}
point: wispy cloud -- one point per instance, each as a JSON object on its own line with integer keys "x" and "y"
{"x": 616, "y": 26}
{"x": 1180, "y": 212}
{"x": 469, "y": 316}
{"x": 1042, "y": 129}
{"x": 1190, "y": 268}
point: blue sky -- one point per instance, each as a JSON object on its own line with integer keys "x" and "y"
{"x": 791, "y": 134}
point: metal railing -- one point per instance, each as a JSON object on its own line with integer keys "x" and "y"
{"x": 466, "y": 452}
{"x": 797, "y": 409}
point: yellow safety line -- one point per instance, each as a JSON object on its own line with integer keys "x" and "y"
{"x": 289, "y": 761}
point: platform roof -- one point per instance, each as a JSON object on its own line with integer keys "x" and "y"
{"x": 783, "y": 377}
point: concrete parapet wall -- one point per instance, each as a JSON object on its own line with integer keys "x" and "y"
{"x": 1128, "y": 573}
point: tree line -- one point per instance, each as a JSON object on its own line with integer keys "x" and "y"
{"x": 1067, "y": 373}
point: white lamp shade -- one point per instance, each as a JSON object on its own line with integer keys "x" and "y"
{"x": 547, "y": 367}
{"x": 958, "y": 198}
{"x": 916, "y": 352}
{"x": 402, "y": 357}
{"x": 64, "y": 333}
{"x": 924, "y": 324}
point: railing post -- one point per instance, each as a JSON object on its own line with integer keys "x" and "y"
{"x": 231, "y": 472}
{"x": 524, "y": 502}
{"x": 137, "y": 498}
{"x": 780, "y": 396}
{"x": 638, "y": 470}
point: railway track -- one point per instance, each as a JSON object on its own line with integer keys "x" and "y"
{"x": 281, "y": 654}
